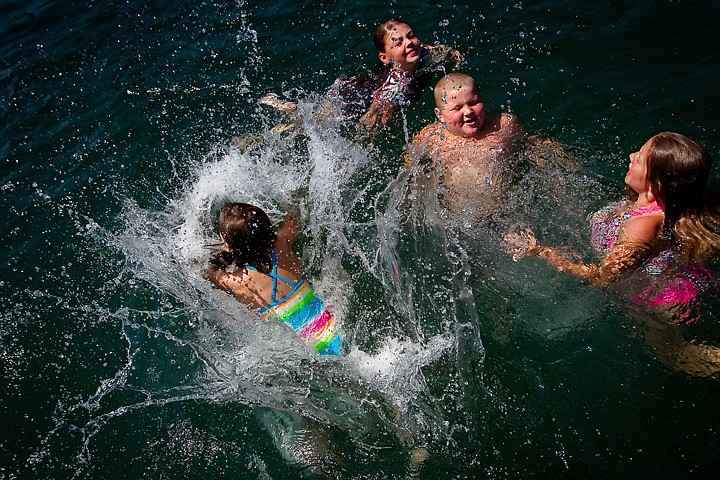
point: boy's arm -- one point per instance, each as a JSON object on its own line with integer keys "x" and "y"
{"x": 414, "y": 149}
{"x": 409, "y": 155}
{"x": 411, "y": 150}
{"x": 420, "y": 147}
{"x": 511, "y": 124}
{"x": 544, "y": 151}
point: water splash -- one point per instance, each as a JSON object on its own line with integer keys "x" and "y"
{"x": 185, "y": 341}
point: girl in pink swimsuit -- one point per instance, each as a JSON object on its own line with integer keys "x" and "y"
{"x": 667, "y": 215}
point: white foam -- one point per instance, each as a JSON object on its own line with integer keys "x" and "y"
{"x": 395, "y": 369}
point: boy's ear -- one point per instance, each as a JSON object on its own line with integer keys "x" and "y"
{"x": 383, "y": 58}
{"x": 438, "y": 114}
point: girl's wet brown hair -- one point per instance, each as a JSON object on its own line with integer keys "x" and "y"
{"x": 247, "y": 231}
{"x": 678, "y": 169}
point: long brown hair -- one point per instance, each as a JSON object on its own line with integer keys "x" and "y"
{"x": 678, "y": 169}
{"x": 247, "y": 231}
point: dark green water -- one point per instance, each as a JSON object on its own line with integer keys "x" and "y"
{"x": 119, "y": 361}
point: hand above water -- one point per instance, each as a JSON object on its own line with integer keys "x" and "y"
{"x": 272, "y": 100}
{"x": 520, "y": 244}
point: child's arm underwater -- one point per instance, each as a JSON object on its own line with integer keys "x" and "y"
{"x": 543, "y": 152}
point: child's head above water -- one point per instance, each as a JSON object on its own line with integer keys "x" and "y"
{"x": 458, "y": 105}
{"x": 674, "y": 170}
{"x": 397, "y": 45}
{"x": 247, "y": 233}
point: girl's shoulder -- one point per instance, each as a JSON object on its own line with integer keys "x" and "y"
{"x": 231, "y": 278}
{"x": 644, "y": 227}
{"x": 245, "y": 284}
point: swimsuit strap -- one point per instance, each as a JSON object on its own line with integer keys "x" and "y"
{"x": 646, "y": 210}
{"x": 275, "y": 277}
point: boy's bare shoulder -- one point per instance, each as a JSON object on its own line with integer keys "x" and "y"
{"x": 511, "y": 122}
{"x": 503, "y": 120}
{"x": 428, "y": 132}
{"x": 427, "y": 140}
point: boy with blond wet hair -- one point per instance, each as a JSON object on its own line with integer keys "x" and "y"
{"x": 472, "y": 148}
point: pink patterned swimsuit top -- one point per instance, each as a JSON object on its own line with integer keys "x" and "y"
{"x": 605, "y": 224}
{"x": 677, "y": 291}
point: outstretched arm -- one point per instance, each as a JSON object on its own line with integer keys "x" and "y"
{"x": 632, "y": 245}
{"x": 272, "y": 100}
{"x": 619, "y": 259}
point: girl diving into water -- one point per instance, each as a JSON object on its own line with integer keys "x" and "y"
{"x": 259, "y": 268}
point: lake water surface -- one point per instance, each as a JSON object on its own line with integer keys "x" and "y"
{"x": 118, "y": 360}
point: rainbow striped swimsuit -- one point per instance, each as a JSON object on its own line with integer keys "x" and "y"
{"x": 305, "y": 313}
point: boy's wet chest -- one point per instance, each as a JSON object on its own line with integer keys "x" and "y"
{"x": 487, "y": 152}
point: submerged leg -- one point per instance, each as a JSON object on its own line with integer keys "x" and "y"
{"x": 303, "y": 442}
{"x": 417, "y": 460}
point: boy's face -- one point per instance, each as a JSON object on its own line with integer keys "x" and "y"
{"x": 402, "y": 48}
{"x": 462, "y": 111}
